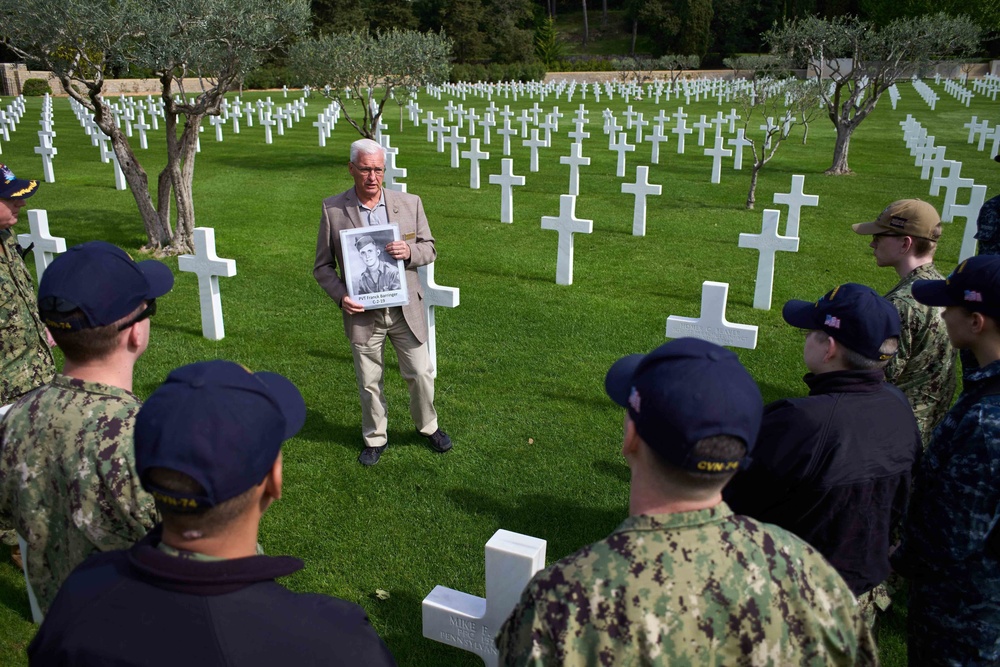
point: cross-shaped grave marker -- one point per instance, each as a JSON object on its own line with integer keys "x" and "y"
{"x": 506, "y": 179}
{"x": 567, "y": 224}
{"x": 207, "y": 265}
{"x": 702, "y": 125}
{"x": 46, "y": 246}
{"x": 641, "y": 188}
{"x": 575, "y": 160}
{"x": 621, "y": 147}
{"x": 453, "y": 140}
{"x": 795, "y": 200}
{"x": 434, "y": 295}
{"x": 952, "y": 183}
{"x": 474, "y": 155}
{"x": 712, "y": 324}
{"x": 768, "y": 242}
{"x": 681, "y": 130}
{"x": 970, "y": 212}
{"x": 738, "y": 143}
{"x": 471, "y": 623}
{"x": 718, "y": 152}
{"x": 534, "y": 143}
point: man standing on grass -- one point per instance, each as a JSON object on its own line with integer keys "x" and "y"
{"x": 368, "y": 205}
{"x": 195, "y": 590}
{"x": 684, "y": 580}
{"x": 834, "y": 467}
{"x": 950, "y": 550}
{"x": 67, "y": 476}
{"x": 905, "y": 236}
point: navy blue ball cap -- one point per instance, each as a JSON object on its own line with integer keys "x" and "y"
{"x": 974, "y": 285}
{"x": 684, "y": 391}
{"x": 96, "y": 284}
{"x": 12, "y": 187}
{"x": 219, "y": 424}
{"x": 853, "y": 315}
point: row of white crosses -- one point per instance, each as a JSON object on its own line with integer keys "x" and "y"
{"x": 9, "y": 118}
{"x": 926, "y": 93}
{"x": 958, "y": 91}
{"x": 931, "y": 159}
{"x": 984, "y": 133}
{"x": 45, "y": 136}
{"x": 988, "y": 86}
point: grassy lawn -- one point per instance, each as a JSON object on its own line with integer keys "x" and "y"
{"x": 521, "y": 360}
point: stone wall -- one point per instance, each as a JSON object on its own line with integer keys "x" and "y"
{"x": 13, "y": 76}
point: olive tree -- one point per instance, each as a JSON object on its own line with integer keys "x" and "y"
{"x": 856, "y": 62}
{"x": 197, "y": 49}
{"x": 360, "y": 69}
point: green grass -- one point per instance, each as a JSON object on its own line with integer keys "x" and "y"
{"x": 521, "y": 361}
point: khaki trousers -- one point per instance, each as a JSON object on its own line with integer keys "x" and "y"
{"x": 414, "y": 366}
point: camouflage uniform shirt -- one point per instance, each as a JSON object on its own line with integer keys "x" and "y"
{"x": 925, "y": 368}
{"x": 27, "y": 359}
{"x": 67, "y": 477}
{"x": 697, "y": 588}
{"x": 988, "y": 228}
{"x": 954, "y": 572}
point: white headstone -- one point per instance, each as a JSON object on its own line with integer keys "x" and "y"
{"x": 506, "y": 179}
{"x": 567, "y": 224}
{"x": 739, "y": 142}
{"x": 718, "y": 152}
{"x": 795, "y": 200}
{"x": 768, "y": 242}
{"x": 474, "y": 155}
{"x": 952, "y": 184}
{"x": 434, "y": 295}
{"x": 207, "y": 265}
{"x": 46, "y": 245}
{"x": 641, "y": 188}
{"x": 621, "y": 147}
{"x": 712, "y": 324}
{"x": 471, "y": 623}
{"x": 970, "y": 212}
{"x": 575, "y": 160}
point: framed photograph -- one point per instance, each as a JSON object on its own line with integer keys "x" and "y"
{"x": 374, "y": 279}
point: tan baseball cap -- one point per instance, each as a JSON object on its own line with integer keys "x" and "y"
{"x": 906, "y": 217}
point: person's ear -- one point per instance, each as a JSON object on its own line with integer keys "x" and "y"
{"x": 630, "y": 438}
{"x": 831, "y": 349}
{"x": 978, "y": 322}
{"x": 273, "y": 481}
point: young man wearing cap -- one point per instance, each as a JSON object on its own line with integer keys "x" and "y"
{"x": 835, "y": 467}
{"x": 905, "y": 237}
{"x": 950, "y": 550}
{"x": 377, "y": 276}
{"x": 195, "y": 590}
{"x": 66, "y": 468}
{"x": 683, "y": 580}
{"x": 367, "y": 204}
{"x": 27, "y": 360}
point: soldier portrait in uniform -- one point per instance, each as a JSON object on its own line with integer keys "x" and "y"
{"x": 373, "y": 278}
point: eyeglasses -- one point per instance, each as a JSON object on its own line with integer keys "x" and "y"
{"x": 147, "y": 312}
{"x": 378, "y": 171}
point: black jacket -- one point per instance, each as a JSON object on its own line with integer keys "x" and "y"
{"x": 144, "y": 607}
{"x": 835, "y": 469}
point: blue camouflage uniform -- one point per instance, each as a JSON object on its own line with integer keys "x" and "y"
{"x": 954, "y": 608}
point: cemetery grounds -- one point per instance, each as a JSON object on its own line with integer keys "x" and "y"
{"x": 521, "y": 361}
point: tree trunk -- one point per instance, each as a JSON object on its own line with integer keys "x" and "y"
{"x": 604, "y": 13}
{"x": 635, "y": 31}
{"x": 182, "y": 177}
{"x": 752, "y": 194}
{"x": 805, "y": 133}
{"x": 840, "y": 149}
{"x": 586, "y": 26}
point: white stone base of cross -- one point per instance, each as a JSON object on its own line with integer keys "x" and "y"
{"x": 712, "y": 325}
{"x": 471, "y": 623}
{"x": 46, "y": 245}
{"x": 207, "y": 265}
{"x": 434, "y": 295}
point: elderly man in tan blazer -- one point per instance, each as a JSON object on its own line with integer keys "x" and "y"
{"x": 367, "y": 204}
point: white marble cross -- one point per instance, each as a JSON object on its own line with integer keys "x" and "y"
{"x": 970, "y": 212}
{"x": 567, "y": 224}
{"x": 471, "y": 623}
{"x": 217, "y": 122}
{"x": 795, "y": 200}
{"x": 207, "y": 265}
{"x": 474, "y": 155}
{"x": 768, "y": 242}
{"x": 506, "y": 179}
{"x": 621, "y": 147}
{"x": 701, "y": 126}
{"x": 718, "y": 152}
{"x": 656, "y": 137}
{"x": 142, "y": 127}
{"x": 534, "y": 143}
{"x": 952, "y": 183}
{"x": 641, "y": 188}
{"x": 575, "y": 160}
{"x": 47, "y": 151}
{"x": 712, "y": 324}
{"x": 681, "y": 130}
{"x": 934, "y": 165}
{"x": 267, "y": 122}
{"x": 738, "y": 143}
{"x": 392, "y": 172}
{"x": 453, "y": 140}
{"x": 46, "y": 245}
{"x": 506, "y": 132}
{"x": 434, "y": 295}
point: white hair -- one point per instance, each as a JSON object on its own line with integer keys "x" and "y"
{"x": 366, "y": 147}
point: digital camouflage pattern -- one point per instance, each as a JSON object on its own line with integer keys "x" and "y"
{"x": 27, "y": 359}
{"x": 926, "y": 366}
{"x": 988, "y": 228}
{"x": 67, "y": 477}
{"x": 696, "y": 588}
{"x": 954, "y": 600}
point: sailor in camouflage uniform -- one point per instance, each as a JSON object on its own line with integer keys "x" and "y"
{"x": 683, "y": 580}
{"x": 67, "y": 478}
{"x": 988, "y": 226}
{"x": 951, "y": 540}
{"x": 925, "y": 368}
{"x": 27, "y": 359}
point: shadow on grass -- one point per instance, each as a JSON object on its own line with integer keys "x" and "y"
{"x": 564, "y": 524}
{"x": 12, "y": 596}
{"x": 320, "y": 429}
{"x": 179, "y": 328}
{"x": 337, "y": 353}
{"x": 617, "y": 470}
